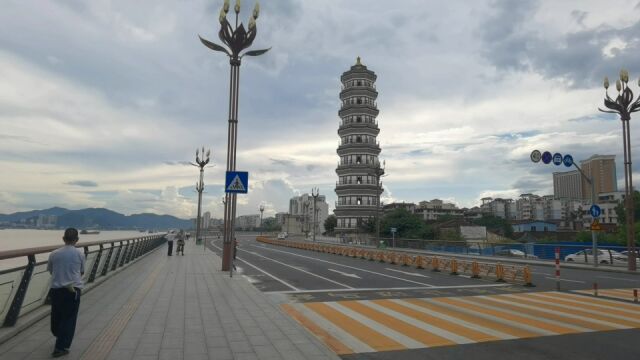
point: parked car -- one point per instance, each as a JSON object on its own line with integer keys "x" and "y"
{"x": 282, "y": 235}
{"x": 604, "y": 256}
{"x": 515, "y": 253}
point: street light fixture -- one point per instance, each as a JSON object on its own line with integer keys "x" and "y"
{"x": 379, "y": 170}
{"x": 261, "y": 211}
{"x": 201, "y": 163}
{"x": 624, "y": 105}
{"x": 315, "y": 192}
{"x": 236, "y": 40}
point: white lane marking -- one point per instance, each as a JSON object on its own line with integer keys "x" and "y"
{"x": 615, "y": 278}
{"x": 574, "y": 281}
{"x": 458, "y": 339}
{"x": 454, "y": 320}
{"x": 264, "y": 272}
{"x": 343, "y": 336}
{"x": 347, "y": 266}
{"x": 398, "y": 337}
{"x": 299, "y": 269}
{"x": 491, "y": 318}
{"x": 407, "y": 273}
{"x": 389, "y": 289}
{"x": 539, "y": 273}
{"x": 345, "y": 274}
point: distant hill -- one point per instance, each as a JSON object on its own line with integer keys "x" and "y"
{"x": 101, "y": 219}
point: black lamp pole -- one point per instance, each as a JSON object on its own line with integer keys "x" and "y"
{"x": 315, "y": 192}
{"x": 624, "y": 105}
{"x": 236, "y": 38}
{"x": 201, "y": 163}
{"x": 261, "y": 211}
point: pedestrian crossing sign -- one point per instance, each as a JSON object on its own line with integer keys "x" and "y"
{"x": 237, "y": 182}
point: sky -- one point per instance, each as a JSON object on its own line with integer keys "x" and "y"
{"x": 103, "y": 103}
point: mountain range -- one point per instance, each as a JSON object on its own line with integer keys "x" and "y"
{"x": 98, "y": 218}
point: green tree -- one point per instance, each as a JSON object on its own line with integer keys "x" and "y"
{"x": 270, "y": 224}
{"x": 330, "y": 224}
{"x": 495, "y": 224}
{"x": 407, "y": 224}
{"x": 622, "y": 216}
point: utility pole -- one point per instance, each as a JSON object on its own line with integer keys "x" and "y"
{"x": 315, "y": 192}
{"x": 379, "y": 170}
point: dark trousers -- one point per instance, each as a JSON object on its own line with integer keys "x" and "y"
{"x": 170, "y": 248}
{"x": 64, "y": 313}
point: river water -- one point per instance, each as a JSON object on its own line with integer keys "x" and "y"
{"x": 13, "y": 239}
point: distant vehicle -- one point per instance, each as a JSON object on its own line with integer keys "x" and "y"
{"x": 282, "y": 236}
{"x": 515, "y": 253}
{"x": 87, "y": 232}
{"x": 626, "y": 253}
{"x": 604, "y": 256}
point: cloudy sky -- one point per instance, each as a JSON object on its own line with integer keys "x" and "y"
{"x": 103, "y": 103}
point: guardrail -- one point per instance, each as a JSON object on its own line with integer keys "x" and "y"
{"x": 512, "y": 273}
{"x": 25, "y": 288}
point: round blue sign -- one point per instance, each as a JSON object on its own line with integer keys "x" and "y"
{"x": 546, "y": 157}
{"x": 567, "y": 160}
{"x": 595, "y": 211}
{"x": 557, "y": 159}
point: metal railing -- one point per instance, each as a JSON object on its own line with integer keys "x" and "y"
{"x": 26, "y": 287}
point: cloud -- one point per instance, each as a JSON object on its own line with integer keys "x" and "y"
{"x": 83, "y": 183}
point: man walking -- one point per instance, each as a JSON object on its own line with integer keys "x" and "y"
{"x": 66, "y": 266}
{"x": 170, "y": 237}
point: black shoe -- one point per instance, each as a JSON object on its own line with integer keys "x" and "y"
{"x": 57, "y": 353}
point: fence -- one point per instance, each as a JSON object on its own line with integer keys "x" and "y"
{"x": 25, "y": 288}
{"x": 518, "y": 274}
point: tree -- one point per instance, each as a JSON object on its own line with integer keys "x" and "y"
{"x": 330, "y": 224}
{"x": 270, "y": 224}
{"x": 495, "y": 224}
{"x": 622, "y": 217}
{"x": 407, "y": 225}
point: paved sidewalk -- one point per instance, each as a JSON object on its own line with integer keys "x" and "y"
{"x": 178, "y": 307}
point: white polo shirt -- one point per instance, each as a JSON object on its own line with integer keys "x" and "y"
{"x": 66, "y": 266}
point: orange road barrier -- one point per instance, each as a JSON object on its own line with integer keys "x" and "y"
{"x": 454, "y": 267}
{"x": 499, "y": 273}
{"x": 595, "y": 289}
{"x": 406, "y": 260}
{"x": 635, "y": 295}
{"x": 475, "y": 270}
{"x": 419, "y": 262}
{"x": 526, "y": 274}
{"x": 380, "y": 256}
{"x": 435, "y": 264}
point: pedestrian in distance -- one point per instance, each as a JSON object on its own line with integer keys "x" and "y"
{"x": 180, "y": 249}
{"x": 66, "y": 266}
{"x": 170, "y": 237}
{"x": 235, "y": 247}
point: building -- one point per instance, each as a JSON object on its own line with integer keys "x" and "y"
{"x": 206, "y": 220}
{"x": 46, "y": 221}
{"x": 410, "y": 207}
{"x": 247, "y": 222}
{"x": 301, "y": 208}
{"x": 436, "y": 208}
{"x": 602, "y": 169}
{"x": 358, "y": 189}
{"x": 567, "y": 185}
{"x": 533, "y": 226}
{"x": 503, "y": 208}
{"x": 280, "y": 217}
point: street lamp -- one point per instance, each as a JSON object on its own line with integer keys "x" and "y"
{"x": 379, "y": 170}
{"x": 624, "y": 105}
{"x": 236, "y": 40}
{"x": 315, "y": 192}
{"x": 261, "y": 211}
{"x": 201, "y": 163}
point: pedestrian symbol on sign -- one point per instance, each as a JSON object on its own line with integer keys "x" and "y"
{"x": 237, "y": 182}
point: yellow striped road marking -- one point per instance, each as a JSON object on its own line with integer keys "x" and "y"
{"x": 604, "y": 303}
{"x": 606, "y": 306}
{"x": 586, "y": 310}
{"x": 552, "y": 326}
{"x": 500, "y": 325}
{"x": 418, "y": 330}
{"x": 365, "y": 334}
{"x": 309, "y": 321}
{"x": 546, "y": 312}
{"x": 468, "y": 330}
{"x": 395, "y": 331}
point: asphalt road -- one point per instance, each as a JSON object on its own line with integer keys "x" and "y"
{"x": 299, "y": 277}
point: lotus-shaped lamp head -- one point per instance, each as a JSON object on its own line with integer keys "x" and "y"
{"x": 624, "y": 103}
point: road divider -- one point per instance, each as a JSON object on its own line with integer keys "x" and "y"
{"x": 512, "y": 273}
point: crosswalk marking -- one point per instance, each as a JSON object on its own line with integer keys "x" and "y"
{"x": 622, "y": 294}
{"x": 361, "y": 326}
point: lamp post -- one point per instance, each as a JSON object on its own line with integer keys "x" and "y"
{"x": 236, "y": 38}
{"x": 624, "y": 105}
{"x": 261, "y": 211}
{"x": 201, "y": 163}
{"x": 379, "y": 170}
{"x": 315, "y": 192}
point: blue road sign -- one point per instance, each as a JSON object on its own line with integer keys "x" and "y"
{"x": 567, "y": 160}
{"x": 595, "y": 211}
{"x": 546, "y": 157}
{"x": 237, "y": 182}
{"x": 557, "y": 159}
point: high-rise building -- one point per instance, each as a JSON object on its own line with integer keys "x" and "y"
{"x": 206, "y": 220}
{"x": 602, "y": 169}
{"x": 567, "y": 185}
{"x": 359, "y": 167}
{"x": 301, "y": 208}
